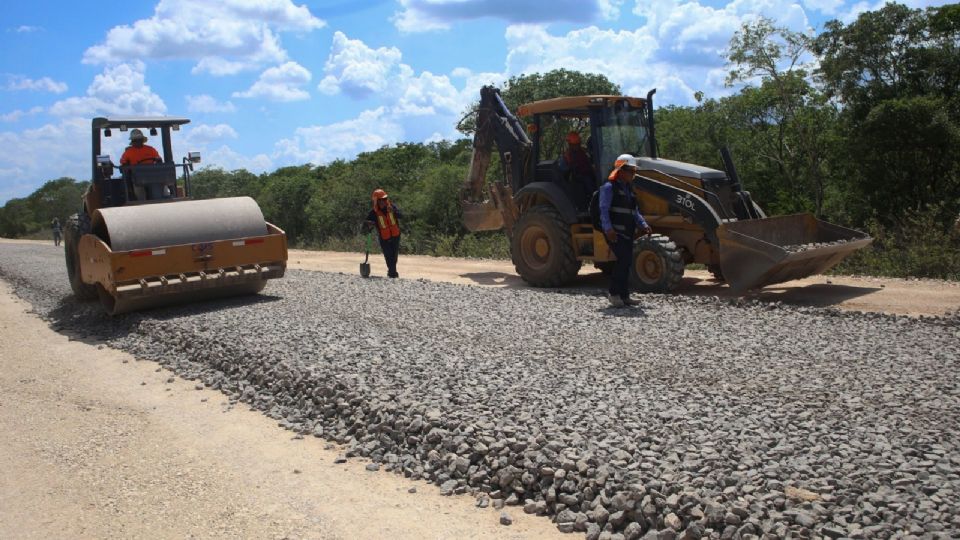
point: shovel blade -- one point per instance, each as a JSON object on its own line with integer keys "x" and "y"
{"x": 364, "y": 270}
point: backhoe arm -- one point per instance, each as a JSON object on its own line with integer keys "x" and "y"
{"x": 495, "y": 124}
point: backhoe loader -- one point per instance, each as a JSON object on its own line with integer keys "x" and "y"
{"x": 698, "y": 214}
{"x": 138, "y": 240}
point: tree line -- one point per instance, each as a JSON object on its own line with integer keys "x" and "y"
{"x": 859, "y": 124}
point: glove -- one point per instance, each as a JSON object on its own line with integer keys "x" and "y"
{"x": 611, "y": 235}
{"x": 647, "y": 230}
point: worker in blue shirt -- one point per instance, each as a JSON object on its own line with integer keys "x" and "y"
{"x": 621, "y": 222}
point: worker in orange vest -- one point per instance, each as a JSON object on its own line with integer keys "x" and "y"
{"x": 139, "y": 153}
{"x": 385, "y": 216}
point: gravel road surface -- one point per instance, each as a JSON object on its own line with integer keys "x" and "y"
{"x": 689, "y": 417}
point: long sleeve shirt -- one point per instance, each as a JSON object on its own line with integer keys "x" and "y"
{"x": 606, "y": 198}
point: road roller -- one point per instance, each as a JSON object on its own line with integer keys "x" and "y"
{"x": 139, "y": 241}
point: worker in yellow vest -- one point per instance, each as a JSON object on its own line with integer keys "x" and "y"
{"x": 385, "y": 216}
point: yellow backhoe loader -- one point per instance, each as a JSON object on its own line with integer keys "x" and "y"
{"x": 140, "y": 242}
{"x": 698, "y": 214}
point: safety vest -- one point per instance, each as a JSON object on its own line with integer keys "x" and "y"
{"x": 387, "y": 224}
{"x": 622, "y": 207}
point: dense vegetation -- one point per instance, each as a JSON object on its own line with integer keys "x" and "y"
{"x": 859, "y": 125}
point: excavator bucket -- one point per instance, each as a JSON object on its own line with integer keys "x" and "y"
{"x": 759, "y": 252}
{"x": 148, "y": 255}
{"x": 481, "y": 216}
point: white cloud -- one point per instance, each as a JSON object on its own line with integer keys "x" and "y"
{"x": 35, "y": 155}
{"x": 828, "y": 7}
{"x": 43, "y": 84}
{"x": 280, "y": 83}
{"x": 610, "y": 9}
{"x": 224, "y": 36}
{"x": 120, "y": 89}
{"x": 426, "y": 15}
{"x": 27, "y": 29}
{"x": 356, "y": 69}
{"x": 208, "y": 104}
{"x": 15, "y": 116}
{"x": 226, "y": 158}
{"x": 322, "y": 144}
{"x": 203, "y": 134}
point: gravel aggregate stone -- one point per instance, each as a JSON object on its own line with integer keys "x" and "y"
{"x": 686, "y": 417}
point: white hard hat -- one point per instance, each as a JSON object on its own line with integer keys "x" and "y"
{"x": 623, "y": 160}
{"x": 137, "y": 134}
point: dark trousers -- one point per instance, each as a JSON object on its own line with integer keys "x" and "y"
{"x": 620, "y": 277}
{"x": 391, "y": 251}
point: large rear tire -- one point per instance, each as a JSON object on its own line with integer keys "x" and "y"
{"x": 542, "y": 248}
{"x": 657, "y": 265}
{"x": 77, "y": 225}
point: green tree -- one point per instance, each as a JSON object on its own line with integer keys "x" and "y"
{"x": 896, "y": 72}
{"x": 788, "y": 120}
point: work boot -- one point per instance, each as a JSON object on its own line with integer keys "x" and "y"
{"x": 615, "y": 301}
{"x": 627, "y": 301}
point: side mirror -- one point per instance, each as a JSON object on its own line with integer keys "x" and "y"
{"x": 106, "y": 166}
{"x": 193, "y": 157}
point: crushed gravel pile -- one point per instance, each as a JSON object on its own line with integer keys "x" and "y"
{"x": 686, "y": 418}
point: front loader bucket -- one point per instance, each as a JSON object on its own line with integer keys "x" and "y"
{"x": 759, "y": 252}
{"x": 481, "y": 216}
{"x": 146, "y": 256}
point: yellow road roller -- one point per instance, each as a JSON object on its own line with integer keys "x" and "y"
{"x": 139, "y": 241}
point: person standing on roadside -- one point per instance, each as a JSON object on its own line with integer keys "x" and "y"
{"x": 621, "y": 222}
{"x": 385, "y": 216}
{"x": 57, "y": 231}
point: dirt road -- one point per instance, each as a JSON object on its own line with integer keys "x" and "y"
{"x": 99, "y": 445}
{"x": 883, "y": 295}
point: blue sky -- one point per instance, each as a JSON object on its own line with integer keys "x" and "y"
{"x": 270, "y": 83}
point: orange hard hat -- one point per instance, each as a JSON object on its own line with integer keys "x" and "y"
{"x": 379, "y": 194}
{"x": 573, "y": 137}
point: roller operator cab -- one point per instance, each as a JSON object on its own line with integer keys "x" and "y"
{"x": 698, "y": 214}
{"x": 139, "y": 241}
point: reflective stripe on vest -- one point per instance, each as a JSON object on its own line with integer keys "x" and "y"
{"x": 622, "y": 207}
{"x": 387, "y": 223}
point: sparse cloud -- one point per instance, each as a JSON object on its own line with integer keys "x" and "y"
{"x": 203, "y": 134}
{"x": 280, "y": 83}
{"x": 15, "y": 116}
{"x": 43, "y": 84}
{"x": 208, "y": 104}
{"x": 224, "y": 37}
{"x": 27, "y": 29}
{"x": 427, "y": 15}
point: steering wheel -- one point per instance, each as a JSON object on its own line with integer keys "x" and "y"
{"x": 149, "y": 160}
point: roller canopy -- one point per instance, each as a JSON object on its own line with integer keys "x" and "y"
{"x": 146, "y": 226}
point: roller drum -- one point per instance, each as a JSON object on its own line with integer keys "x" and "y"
{"x": 147, "y": 226}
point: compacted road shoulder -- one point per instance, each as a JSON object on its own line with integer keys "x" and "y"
{"x": 686, "y": 417}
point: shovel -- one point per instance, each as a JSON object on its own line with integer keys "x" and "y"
{"x": 365, "y": 265}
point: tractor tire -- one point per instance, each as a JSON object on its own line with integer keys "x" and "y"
{"x": 542, "y": 248}
{"x": 77, "y": 225}
{"x": 717, "y": 273}
{"x": 657, "y": 265}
